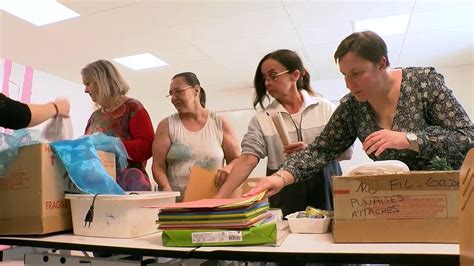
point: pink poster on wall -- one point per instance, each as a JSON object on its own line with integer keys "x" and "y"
{"x": 7, "y": 71}
{"x": 23, "y": 95}
{"x": 14, "y": 92}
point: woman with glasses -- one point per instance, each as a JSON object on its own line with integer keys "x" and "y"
{"x": 194, "y": 136}
{"x": 405, "y": 114}
{"x": 122, "y": 117}
{"x": 281, "y": 75}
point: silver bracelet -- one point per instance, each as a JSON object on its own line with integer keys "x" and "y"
{"x": 281, "y": 176}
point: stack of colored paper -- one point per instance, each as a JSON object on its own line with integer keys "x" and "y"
{"x": 214, "y": 213}
{"x": 211, "y": 222}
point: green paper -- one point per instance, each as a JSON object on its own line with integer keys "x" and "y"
{"x": 261, "y": 234}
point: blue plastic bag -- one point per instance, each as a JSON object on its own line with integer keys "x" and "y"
{"x": 110, "y": 144}
{"x": 84, "y": 167}
{"x": 10, "y": 143}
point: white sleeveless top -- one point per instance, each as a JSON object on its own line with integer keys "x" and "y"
{"x": 202, "y": 148}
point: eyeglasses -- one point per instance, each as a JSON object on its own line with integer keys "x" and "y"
{"x": 173, "y": 92}
{"x": 273, "y": 75}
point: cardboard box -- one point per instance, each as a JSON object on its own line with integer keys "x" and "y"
{"x": 118, "y": 216}
{"x": 32, "y": 194}
{"x": 466, "y": 216}
{"x": 408, "y": 207}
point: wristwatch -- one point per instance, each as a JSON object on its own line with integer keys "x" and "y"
{"x": 412, "y": 139}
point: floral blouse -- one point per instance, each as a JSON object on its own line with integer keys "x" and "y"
{"x": 131, "y": 123}
{"x": 426, "y": 107}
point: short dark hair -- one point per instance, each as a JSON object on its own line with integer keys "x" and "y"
{"x": 366, "y": 44}
{"x": 191, "y": 79}
{"x": 292, "y": 62}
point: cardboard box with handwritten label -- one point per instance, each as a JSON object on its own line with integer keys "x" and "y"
{"x": 32, "y": 193}
{"x": 408, "y": 207}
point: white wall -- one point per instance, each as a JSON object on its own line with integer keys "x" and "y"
{"x": 460, "y": 79}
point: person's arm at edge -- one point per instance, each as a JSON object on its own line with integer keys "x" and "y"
{"x": 456, "y": 137}
{"x": 242, "y": 168}
{"x": 325, "y": 148}
{"x": 231, "y": 149}
{"x": 254, "y": 148}
{"x": 21, "y": 113}
{"x": 230, "y": 143}
{"x": 272, "y": 184}
{"x": 160, "y": 148}
{"x": 139, "y": 147}
{"x": 42, "y": 112}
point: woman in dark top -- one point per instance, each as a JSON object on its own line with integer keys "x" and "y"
{"x": 16, "y": 115}
{"x": 405, "y": 114}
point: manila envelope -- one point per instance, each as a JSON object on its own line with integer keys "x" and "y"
{"x": 201, "y": 185}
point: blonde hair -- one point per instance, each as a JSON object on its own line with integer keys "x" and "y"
{"x": 107, "y": 78}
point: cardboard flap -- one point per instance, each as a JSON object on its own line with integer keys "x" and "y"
{"x": 466, "y": 216}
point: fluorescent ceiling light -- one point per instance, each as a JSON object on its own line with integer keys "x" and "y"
{"x": 384, "y": 26}
{"x": 38, "y": 12}
{"x": 141, "y": 61}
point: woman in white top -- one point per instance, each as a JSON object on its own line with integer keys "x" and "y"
{"x": 192, "y": 136}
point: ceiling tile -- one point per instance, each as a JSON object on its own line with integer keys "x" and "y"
{"x": 93, "y": 7}
{"x": 223, "y": 41}
{"x": 325, "y": 34}
{"x": 238, "y": 26}
{"x": 425, "y": 5}
{"x": 438, "y": 48}
{"x": 319, "y": 13}
{"x": 447, "y": 18}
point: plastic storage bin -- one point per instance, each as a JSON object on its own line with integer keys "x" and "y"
{"x": 308, "y": 225}
{"x": 118, "y": 216}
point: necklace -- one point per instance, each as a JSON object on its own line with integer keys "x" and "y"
{"x": 112, "y": 107}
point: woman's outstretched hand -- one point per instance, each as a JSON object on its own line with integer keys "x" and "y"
{"x": 271, "y": 184}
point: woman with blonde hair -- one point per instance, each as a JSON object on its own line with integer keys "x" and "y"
{"x": 122, "y": 117}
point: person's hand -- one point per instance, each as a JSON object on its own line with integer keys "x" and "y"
{"x": 222, "y": 175}
{"x": 64, "y": 107}
{"x": 384, "y": 139}
{"x": 271, "y": 184}
{"x": 165, "y": 188}
{"x": 294, "y": 147}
